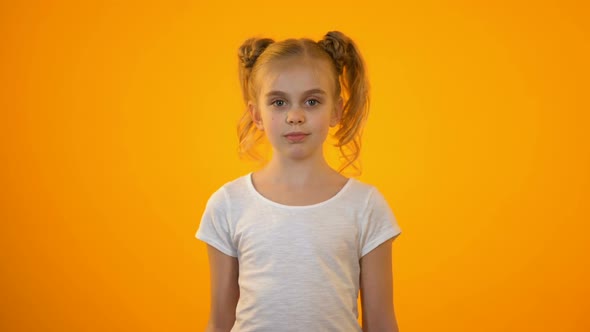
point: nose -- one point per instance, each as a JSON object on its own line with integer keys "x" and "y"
{"x": 295, "y": 116}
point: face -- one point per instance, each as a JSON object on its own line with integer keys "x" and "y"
{"x": 296, "y": 105}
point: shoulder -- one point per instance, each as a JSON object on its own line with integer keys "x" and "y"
{"x": 238, "y": 187}
{"x": 230, "y": 190}
{"x": 363, "y": 191}
{"x": 370, "y": 199}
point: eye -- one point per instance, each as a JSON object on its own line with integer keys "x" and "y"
{"x": 278, "y": 102}
{"x": 312, "y": 102}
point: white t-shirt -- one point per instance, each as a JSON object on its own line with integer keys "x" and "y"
{"x": 298, "y": 265}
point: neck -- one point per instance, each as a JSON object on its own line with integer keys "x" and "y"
{"x": 297, "y": 172}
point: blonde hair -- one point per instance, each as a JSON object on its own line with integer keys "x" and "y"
{"x": 350, "y": 80}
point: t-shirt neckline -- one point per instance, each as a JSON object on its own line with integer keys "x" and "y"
{"x": 250, "y": 184}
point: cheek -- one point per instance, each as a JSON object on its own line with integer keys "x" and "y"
{"x": 274, "y": 119}
{"x": 272, "y": 122}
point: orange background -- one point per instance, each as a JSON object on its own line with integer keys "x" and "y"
{"x": 118, "y": 122}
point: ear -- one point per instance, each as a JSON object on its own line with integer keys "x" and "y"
{"x": 255, "y": 115}
{"x": 337, "y": 114}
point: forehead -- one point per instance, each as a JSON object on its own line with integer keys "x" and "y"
{"x": 294, "y": 76}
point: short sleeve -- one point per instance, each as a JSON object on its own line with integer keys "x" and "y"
{"x": 214, "y": 228}
{"x": 379, "y": 223}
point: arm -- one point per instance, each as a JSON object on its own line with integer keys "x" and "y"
{"x": 224, "y": 290}
{"x": 376, "y": 283}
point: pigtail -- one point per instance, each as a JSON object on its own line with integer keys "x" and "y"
{"x": 350, "y": 67}
{"x": 248, "y": 53}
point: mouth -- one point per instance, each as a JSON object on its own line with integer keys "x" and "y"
{"x": 296, "y": 136}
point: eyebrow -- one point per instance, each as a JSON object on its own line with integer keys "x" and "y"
{"x": 281, "y": 93}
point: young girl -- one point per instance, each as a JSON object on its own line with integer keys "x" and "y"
{"x": 291, "y": 245}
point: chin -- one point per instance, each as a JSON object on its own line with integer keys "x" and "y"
{"x": 299, "y": 154}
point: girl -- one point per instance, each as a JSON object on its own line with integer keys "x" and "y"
{"x": 291, "y": 245}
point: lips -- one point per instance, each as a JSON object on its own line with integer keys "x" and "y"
{"x": 296, "y": 136}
